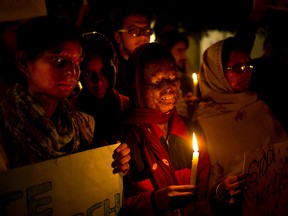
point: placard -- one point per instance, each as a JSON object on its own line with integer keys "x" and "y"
{"x": 267, "y": 192}
{"x": 77, "y": 184}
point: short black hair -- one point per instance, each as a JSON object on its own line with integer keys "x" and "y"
{"x": 170, "y": 38}
{"x": 121, "y": 12}
{"x": 163, "y": 21}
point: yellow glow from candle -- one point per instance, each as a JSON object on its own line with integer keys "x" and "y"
{"x": 195, "y": 83}
{"x": 195, "y": 78}
{"x": 195, "y": 158}
{"x": 194, "y": 143}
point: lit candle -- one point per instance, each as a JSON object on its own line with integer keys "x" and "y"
{"x": 195, "y": 158}
{"x": 195, "y": 83}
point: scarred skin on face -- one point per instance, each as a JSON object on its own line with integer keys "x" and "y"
{"x": 55, "y": 73}
{"x": 239, "y": 82}
{"x": 161, "y": 90}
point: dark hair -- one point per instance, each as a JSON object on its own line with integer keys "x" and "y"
{"x": 121, "y": 12}
{"x": 97, "y": 44}
{"x": 45, "y": 32}
{"x": 163, "y": 21}
{"x": 277, "y": 39}
{"x": 170, "y": 38}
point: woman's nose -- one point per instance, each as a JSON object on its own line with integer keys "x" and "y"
{"x": 94, "y": 78}
{"x": 70, "y": 68}
{"x": 97, "y": 79}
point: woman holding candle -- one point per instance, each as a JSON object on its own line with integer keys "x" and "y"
{"x": 233, "y": 120}
{"x": 158, "y": 182}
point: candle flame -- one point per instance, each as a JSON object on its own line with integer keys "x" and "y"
{"x": 194, "y": 143}
{"x": 194, "y": 77}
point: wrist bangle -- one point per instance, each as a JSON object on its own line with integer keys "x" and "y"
{"x": 221, "y": 193}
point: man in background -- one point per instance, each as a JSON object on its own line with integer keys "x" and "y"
{"x": 131, "y": 28}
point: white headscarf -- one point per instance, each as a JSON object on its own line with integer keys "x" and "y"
{"x": 215, "y": 88}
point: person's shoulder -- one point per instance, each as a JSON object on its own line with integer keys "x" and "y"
{"x": 89, "y": 118}
{"x": 124, "y": 100}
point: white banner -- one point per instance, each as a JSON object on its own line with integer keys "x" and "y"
{"x": 77, "y": 184}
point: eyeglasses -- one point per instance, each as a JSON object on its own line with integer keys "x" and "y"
{"x": 239, "y": 68}
{"x": 137, "y": 31}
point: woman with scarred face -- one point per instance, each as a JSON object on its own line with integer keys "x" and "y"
{"x": 37, "y": 122}
{"x": 158, "y": 182}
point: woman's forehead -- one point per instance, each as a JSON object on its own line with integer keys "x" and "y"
{"x": 164, "y": 72}
{"x": 238, "y": 56}
{"x": 156, "y": 68}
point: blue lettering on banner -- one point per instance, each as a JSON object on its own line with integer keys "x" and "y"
{"x": 34, "y": 203}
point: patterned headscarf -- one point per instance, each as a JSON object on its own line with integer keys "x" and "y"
{"x": 34, "y": 137}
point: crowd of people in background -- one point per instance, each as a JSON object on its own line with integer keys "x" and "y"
{"x": 68, "y": 87}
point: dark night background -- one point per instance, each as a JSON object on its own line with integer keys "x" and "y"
{"x": 194, "y": 16}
